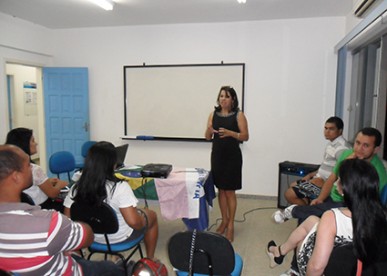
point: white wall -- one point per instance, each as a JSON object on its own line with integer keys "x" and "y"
{"x": 28, "y": 44}
{"x": 24, "y": 43}
{"x": 290, "y": 85}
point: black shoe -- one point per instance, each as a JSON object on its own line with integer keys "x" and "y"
{"x": 274, "y": 261}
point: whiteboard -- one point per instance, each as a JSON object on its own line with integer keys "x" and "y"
{"x": 174, "y": 101}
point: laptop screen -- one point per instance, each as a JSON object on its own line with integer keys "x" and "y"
{"x": 121, "y": 154}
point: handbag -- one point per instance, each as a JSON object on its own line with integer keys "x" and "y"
{"x": 153, "y": 267}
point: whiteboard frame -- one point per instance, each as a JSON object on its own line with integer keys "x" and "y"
{"x": 137, "y": 72}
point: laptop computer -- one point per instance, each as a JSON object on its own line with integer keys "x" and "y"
{"x": 121, "y": 154}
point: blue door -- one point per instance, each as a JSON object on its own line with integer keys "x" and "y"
{"x": 66, "y": 107}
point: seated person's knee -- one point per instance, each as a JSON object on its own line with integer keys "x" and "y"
{"x": 290, "y": 194}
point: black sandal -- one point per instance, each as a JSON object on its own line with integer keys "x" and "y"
{"x": 274, "y": 261}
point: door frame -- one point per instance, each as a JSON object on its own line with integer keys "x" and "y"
{"x": 41, "y": 133}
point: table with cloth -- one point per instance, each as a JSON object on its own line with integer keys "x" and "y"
{"x": 185, "y": 194}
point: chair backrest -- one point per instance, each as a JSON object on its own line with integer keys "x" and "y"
{"x": 62, "y": 162}
{"x": 102, "y": 219}
{"x": 86, "y": 146}
{"x": 209, "y": 247}
{"x": 25, "y": 198}
{"x": 342, "y": 261}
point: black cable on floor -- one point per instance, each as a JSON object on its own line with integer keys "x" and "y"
{"x": 244, "y": 215}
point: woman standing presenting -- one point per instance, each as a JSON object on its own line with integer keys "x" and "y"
{"x": 227, "y": 126}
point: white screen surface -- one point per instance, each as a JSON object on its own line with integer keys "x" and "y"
{"x": 174, "y": 101}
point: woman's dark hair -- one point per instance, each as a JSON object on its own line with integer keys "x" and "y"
{"x": 360, "y": 183}
{"x": 230, "y": 91}
{"x": 20, "y": 137}
{"x": 99, "y": 167}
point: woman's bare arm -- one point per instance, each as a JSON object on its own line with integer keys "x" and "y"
{"x": 52, "y": 186}
{"x": 133, "y": 218}
{"x": 326, "y": 232}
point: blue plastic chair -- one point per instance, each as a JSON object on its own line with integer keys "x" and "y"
{"x": 383, "y": 196}
{"x": 85, "y": 149}
{"x": 103, "y": 220}
{"x": 62, "y": 162}
{"x": 213, "y": 254}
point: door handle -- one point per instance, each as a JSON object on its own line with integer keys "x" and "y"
{"x": 86, "y": 126}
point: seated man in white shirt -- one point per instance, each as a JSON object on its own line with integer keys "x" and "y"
{"x": 302, "y": 191}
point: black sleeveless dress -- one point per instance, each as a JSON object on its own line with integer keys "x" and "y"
{"x": 226, "y": 156}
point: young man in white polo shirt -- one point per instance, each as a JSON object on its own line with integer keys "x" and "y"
{"x": 302, "y": 191}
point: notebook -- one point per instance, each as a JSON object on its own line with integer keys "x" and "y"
{"x": 121, "y": 154}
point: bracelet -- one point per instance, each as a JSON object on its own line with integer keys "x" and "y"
{"x": 238, "y": 135}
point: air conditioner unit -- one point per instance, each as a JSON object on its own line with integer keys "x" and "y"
{"x": 361, "y": 6}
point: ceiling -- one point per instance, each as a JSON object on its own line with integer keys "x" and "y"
{"x": 59, "y": 14}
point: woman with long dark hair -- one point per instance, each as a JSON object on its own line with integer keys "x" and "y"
{"x": 43, "y": 189}
{"x": 98, "y": 184}
{"x": 363, "y": 223}
{"x": 369, "y": 222}
{"x": 368, "y": 215}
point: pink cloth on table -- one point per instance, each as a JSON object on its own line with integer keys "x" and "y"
{"x": 179, "y": 194}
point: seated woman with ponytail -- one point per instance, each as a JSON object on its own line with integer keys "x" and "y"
{"x": 98, "y": 184}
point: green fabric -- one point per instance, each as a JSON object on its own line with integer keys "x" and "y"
{"x": 375, "y": 161}
{"x": 139, "y": 184}
{"x": 150, "y": 191}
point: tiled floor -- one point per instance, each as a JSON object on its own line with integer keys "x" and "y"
{"x": 253, "y": 229}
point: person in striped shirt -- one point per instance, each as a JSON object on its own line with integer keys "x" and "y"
{"x": 36, "y": 241}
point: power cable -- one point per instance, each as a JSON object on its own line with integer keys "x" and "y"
{"x": 244, "y": 215}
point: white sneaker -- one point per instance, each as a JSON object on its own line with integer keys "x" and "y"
{"x": 290, "y": 272}
{"x": 281, "y": 216}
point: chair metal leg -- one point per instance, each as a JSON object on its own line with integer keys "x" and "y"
{"x": 124, "y": 263}
{"x": 88, "y": 257}
{"x": 138, "y": 247}
{"x": 82, "y": 254}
